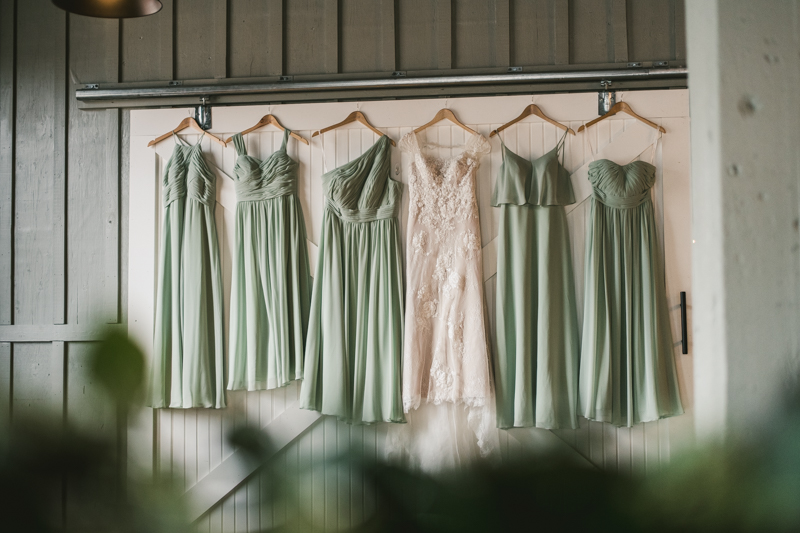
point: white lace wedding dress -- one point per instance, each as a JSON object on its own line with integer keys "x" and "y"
{"x": 447, "y": 382}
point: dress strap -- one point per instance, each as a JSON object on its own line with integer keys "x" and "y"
{"x": 238, "y": 143}
{"x": 200, "y": 139}
{"x": 655, "y": 148}
{"x": 561, "y": 144}
{"x": 286, "y": 132}
{"x": 324, "y": 163}
{"x": 589, "y": 140}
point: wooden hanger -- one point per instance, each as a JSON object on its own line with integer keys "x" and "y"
{"x": 534, "y": 110}
{"x": 355, "y": 116}
{"x": 625, "y": 108}
{"x": 188, "y": 122}
{"x": 267, "y": 120}
{"x": 445, "y": 114}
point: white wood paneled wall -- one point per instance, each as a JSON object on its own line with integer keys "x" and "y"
{"x": 186, "y": 445}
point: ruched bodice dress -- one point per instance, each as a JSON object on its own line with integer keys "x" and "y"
{"x": 355, "y": 334}
{"x": 271, "y": 284}
{"x": 538, "y": 339}
{"x": 188, "y": 355}
{"x": 627, "y": 370}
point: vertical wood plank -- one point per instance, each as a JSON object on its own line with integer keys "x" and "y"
{"x": 591, "y": 31}
{"x": 417, "y": 34}
{"x": 620, "y": 29}
{"x": 388, "y": 52}
{"x": 7, "y": 126}
{"x": 38, "y": 383}
{"x": 166, "y": 69}
{"x": 255, "y": 38}
{"x": 444, "y": 34}
{"x": 146, "y": 53}
{"x": 93, "y": 186}
{"x": 304, "y": 52}
{"x": 40, "y": 93}
{"x": 502, "y": 45}
{"x": 220, "y": 39}
{"x": 196, "y": 38}
{"x": 330, "y": 22}
{"x": 59, "y": 235}
{"x": 6, "y": 364}
{"x": 561, "y": 32}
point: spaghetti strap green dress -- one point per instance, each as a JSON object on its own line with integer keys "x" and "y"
{"x": 270, "y": 280}
{"x": 628, "y": 372}
{"x": 538, "y": 339}
{"x": 188, "y": 344}
{"x": 355, "y": 334}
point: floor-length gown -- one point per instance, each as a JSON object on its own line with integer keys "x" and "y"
{"x": 271, "y": 284}
{"x": 355, "y": 333}
{"x": 628, "y": 372}
{"x": 188, "y": 353}
{"x": 538, "y": 339}
{"x": 447, "y": 383}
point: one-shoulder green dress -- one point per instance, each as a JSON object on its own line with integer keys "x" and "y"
{"x": 271, "y": 284}
{"x": 355, "y": 334}
{"x": 188, "y": 344}
{"x": 628, "y": 370}
{"x": 538, "y": 343}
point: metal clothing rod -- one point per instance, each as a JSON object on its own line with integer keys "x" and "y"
{"x": 96, "y": 92}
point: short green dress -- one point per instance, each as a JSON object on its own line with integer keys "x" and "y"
{"x": 355, "y": 334}
{"x": 271, "y": 284}
{"x": 538, "y": 342}
{"x": 628, "y": 370}
{"x": 188, "y": 344}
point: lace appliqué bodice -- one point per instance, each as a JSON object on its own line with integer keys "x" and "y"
{"x": 446, "y": 351}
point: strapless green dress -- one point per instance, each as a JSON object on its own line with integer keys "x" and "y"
{"x": 627, "y": 373}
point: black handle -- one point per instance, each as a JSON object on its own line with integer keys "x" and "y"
{"x": 685, "y": 339}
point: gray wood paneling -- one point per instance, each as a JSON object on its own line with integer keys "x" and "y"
{"x": 416, "y": 31}
{"x": 476, "y": 27}
{"x": 93, "y": 192}
{"x": 147, "y": 47}
{"x": 366, "y": 35}
{"x": 654, "y": 28}
{"x": 197, "y": 28}
{"x": 532, "y": 32}
{"x": 591, "y": 38}
{"x": 7, "y": 115}
{"x": 39, "y": 27}
{"x": 255, "y": 38}
{"x": 311, "y": 37}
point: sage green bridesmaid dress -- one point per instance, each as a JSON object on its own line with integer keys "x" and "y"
{"x": 628, "y": 370}
{"x": 538, "y": 343}
{"x": 188, "y": 356}
{"x": 355, "y": 333}
{"x": 271, "y": 284}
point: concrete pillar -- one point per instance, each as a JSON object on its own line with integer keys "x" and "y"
{"x": 744, "y": 74}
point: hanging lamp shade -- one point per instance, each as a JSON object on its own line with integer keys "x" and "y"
{"x": 111, "y": 9}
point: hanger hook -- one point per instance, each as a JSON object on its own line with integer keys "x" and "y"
{"x": 358, "y": 106}
{"x": 269, "y": 109}
{"x": 533, "y": 99}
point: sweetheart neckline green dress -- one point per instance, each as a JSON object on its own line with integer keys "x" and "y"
{"x": 628, "y": 372}
{"x": 538, "y": 342}
{"x": 355, "y": 334}
{"x": 188, "y": 339}
{"x": 270, "y": 279}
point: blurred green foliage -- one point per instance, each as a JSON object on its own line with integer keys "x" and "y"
{"x": 58, "y": 479}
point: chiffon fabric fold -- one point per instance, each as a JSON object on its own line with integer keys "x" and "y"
{"x": 355, "y": 334}
{"x": 271, "y": 284}
{"x": 188, "y": 339}
{"x": 628, "y": 372}
{"x": 538, "y": 338}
